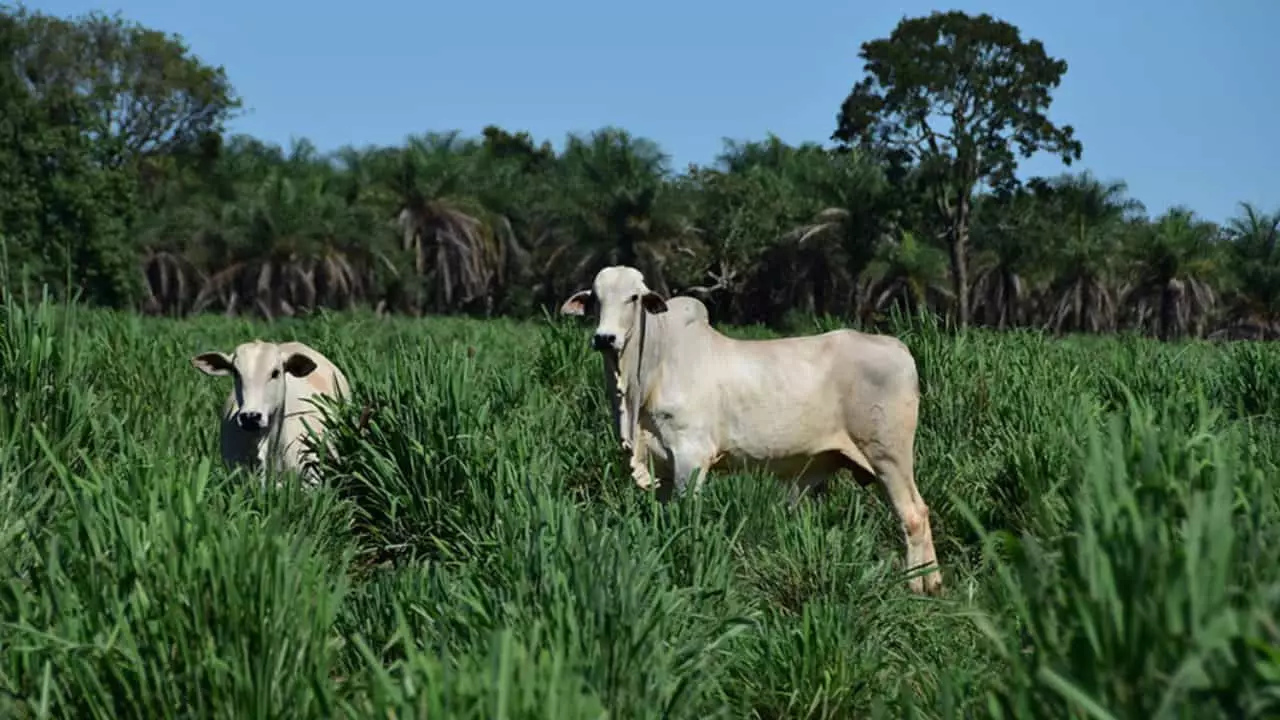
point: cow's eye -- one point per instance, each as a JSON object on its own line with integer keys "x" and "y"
{"x": 633, "y": 298}
{"x": 275, "y": 373}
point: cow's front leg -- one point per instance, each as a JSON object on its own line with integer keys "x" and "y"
{"x": 688, "y": 450}
{"x": 640, "y": 463}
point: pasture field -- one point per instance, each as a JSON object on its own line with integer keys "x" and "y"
{"x": 1106, "y": 512}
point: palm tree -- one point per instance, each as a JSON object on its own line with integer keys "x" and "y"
{"x": 771, "y": 153}
{"x": 1174, "y": 259}
{"x": 1005, "y": 234}
{"x": 244, "y": 160}
{"x": 515, "y": 182}
{"x": 289, "y": 243}
{"x": 1084, "y": 220}
{"x": 618, "y": 207}
{"x": 836, "y": 246}
{"x": 173, "y": 279}
{"x": 910, "y": 273}
{"x": 1254, "y": 249}
{"x": 833, "y": 212}
{"x": 458, "y": 250}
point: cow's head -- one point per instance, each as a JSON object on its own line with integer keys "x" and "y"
{"x": 258, "y": 369}
{"x": 617, "y": 297}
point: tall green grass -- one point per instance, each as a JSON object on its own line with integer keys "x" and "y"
{"x": 1107, "y": 513}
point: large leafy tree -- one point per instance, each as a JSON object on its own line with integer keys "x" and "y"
{"x": 147, "y": 99}
{"x": 740, "y": 215}
{"x": 63, "y": 214}
{"x": 129, "y": 121}
{"x": 959, "y": 97}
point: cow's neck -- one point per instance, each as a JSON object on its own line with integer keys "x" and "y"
{"x": 630, "y": 372}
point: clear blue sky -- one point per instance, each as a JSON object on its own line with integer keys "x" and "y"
{"x": 1179, "y": 98}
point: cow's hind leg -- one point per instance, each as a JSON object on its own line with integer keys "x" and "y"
{"x": 898, "y": 479}
{"x": 893, "y": 468}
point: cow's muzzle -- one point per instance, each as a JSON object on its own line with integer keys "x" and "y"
{"x": 250, "y": 420}
{"x": 603, "y": 341}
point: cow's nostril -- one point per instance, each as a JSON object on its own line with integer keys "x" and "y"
{"x": 602, "y": 341}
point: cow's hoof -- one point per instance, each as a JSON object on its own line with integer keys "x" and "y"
{"x": 933, "y": 584}
{"x": 640, "y": 475}
{"x": 928, "y": 584}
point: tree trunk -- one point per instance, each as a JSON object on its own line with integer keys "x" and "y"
{"x": 1170, "y": 298}
{"x": 626, "y": 247}
{"x": 1084, "y": 319}
{"x": 820, "y": 275}
{"x": 1011, "y": 300}
{"x": 959, "y": 258}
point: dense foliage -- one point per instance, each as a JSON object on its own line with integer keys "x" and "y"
{"x": 121, "y": 182}
{"x": 1106, "y": 511}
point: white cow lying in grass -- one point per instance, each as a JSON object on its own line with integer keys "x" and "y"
{"x": 689, "y": 398}
{"x": 266, "y": 416}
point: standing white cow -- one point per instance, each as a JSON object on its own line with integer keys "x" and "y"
{"x": 267, "y": 413}
{"x": 691, "y": 399}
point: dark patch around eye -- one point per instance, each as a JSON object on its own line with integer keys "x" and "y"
{"x": 275, "y": 373}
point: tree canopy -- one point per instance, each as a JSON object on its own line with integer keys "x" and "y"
{"x": 954, "y": 99}
{"x": 123, "y": 185}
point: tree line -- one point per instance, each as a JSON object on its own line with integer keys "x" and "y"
{"x": 121, "y": 183}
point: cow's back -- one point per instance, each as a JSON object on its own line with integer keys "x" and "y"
{"x": 783, "y": 400}
{"x": 877, "y": 365}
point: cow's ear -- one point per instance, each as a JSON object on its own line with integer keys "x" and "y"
{"x": 213, "y": 363}
{"x": 299, "y": 365}
{"x": 576, "y": 304}
{"x": 654, "y": 303}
